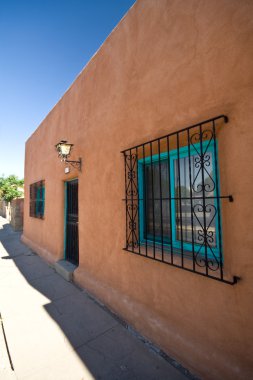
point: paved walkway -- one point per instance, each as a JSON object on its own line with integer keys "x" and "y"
{"x": 55, "y": 331}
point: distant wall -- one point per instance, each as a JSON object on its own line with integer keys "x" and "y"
{"x": 4, "y": 209}
{"x": 17, "y": 214}
{"x": 14, "y": 212}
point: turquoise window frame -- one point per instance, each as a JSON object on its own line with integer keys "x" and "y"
{"x": 40, "y": 197}
{"x": 207, "y": 146}
{"x": 39, "y": 201}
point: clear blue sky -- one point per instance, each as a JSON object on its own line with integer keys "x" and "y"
{"x": 44, "y": 44}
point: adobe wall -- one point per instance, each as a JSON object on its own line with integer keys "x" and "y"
{"x": 17, "y": 213}
{"x": 14, "y": 212}
{"x": 3, "y": 208}
{"x": 167, "y": 65}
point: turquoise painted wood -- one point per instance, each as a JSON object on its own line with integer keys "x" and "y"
{"x": 40, "y": 202}
{"x": 43, "y": 201}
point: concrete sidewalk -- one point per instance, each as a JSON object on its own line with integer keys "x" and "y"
{"x": 55, "y": 331}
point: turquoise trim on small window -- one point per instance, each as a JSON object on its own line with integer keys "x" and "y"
{"x": 173, "y": 156}
{"x": 40, "y": 202}
{"x": 37, "y": 202}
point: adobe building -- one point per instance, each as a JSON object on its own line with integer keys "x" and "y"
{"x": 158, "y": 219}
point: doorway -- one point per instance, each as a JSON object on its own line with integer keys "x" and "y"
{"x": 71, "y": 222}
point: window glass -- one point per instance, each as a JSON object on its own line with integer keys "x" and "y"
{"x": 157, "y": 204}
{"x": 202, "y": 188}
{"x": 179, "y": 209}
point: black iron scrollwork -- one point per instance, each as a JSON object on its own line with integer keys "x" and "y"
{"x": 206, "y": 237}
{"x": 131, "y": 165}
{"x": 131, "y": 161}
{"x": 132, "y": 216}
{"x": 202, "y": 161}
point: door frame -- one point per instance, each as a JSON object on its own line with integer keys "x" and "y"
{"x": 65, "y": 215}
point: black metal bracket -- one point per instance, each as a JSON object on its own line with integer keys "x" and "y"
{"x": 75, "y": 164}
{"x": 236, "y": 279}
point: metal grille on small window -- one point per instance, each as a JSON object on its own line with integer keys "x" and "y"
{"x": 37, "y": 199}
{"x": 173, "y": 201}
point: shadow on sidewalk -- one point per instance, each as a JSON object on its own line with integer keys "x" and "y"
{"x": 105, "y": 347}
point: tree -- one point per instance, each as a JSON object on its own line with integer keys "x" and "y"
{"x": 10, "y": 188}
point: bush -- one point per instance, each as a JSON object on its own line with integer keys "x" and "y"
{"x": 9, "y": 188}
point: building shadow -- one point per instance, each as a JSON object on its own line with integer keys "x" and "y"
{"x": 102, "y": 342}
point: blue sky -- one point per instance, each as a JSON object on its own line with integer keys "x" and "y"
{"x": 44, "y": 44}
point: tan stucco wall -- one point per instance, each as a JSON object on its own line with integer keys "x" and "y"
{"x": 14, "y": 212}
{"x": 167, "y": 65}
{"x": 17, "y": 213}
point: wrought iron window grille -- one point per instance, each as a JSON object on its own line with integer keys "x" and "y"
{"x": 173, "y": 201}
{"x": 37, "y": 199}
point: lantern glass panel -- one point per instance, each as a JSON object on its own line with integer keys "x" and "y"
{"x": 65, "y": 149}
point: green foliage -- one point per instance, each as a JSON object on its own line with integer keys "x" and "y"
{"x": 9, "y": 188}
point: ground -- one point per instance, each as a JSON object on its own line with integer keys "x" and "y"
{"x": 52, "y": 330}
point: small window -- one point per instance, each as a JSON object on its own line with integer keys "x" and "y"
{"x": 173, "y": 201}
{"x": 37, "y": 199}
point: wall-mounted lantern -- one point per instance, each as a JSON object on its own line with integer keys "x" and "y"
{"x": 64, "y": 149}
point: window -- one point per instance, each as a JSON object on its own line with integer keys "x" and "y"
{"x": 37, "y": 199}
{"x": 178, "y": 197}
{"x": 173, "y": 202}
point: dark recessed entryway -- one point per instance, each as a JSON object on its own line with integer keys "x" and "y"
{"x": 71, "y": 222}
